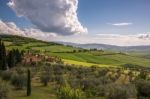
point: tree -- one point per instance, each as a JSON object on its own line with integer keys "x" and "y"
{"x": 45, "y": 78}
{"x": 14, "y": 57}
{"x": 3, "y": 62}
{"x": 28, "y": 83}
{"x": 18, "y": 81}
{"x": 10, "y": 59}
{"x": 18, "y": 56}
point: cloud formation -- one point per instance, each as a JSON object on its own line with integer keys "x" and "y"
{"x": 113, "y": 39}
{"x": 121, "y": 24}
{"x": 144, "y": 36}
{"x": 10, "y": 28}
{"x": 57, "y": 16}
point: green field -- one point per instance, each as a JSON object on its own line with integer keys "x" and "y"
{"x": 114, "y": 60}
{"x": 106, "y": 58}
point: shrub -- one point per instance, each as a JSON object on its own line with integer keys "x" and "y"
{"x": 74, "y": 83}
{"x": 143, "y": 88}
{"x": 45, "y": 78}
{"x": 6, "y": 75}
{"x": 100, "y": 90}
{"x": 142, "y": 75}
{"x": 59, "y": 79}
{"x": 66, "y": 92}
{"x": 4, "y": 90}
{"x": 117, "y": 91}
{"x": 20, "y": 70}
{"x": 102, "y": 72}
{"x": 18, "y": 81}
{"x": 58, "y": 69}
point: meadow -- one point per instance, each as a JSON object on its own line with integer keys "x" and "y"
{"x": 76, "y": 55}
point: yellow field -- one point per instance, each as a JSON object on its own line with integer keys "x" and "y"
{"x": 72, "y": 62}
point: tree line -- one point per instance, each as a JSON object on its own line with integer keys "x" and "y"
{"x": 9, "y": 59}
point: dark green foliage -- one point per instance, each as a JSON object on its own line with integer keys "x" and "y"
{"x": 45, "y": 77}
{"x": 143, "y": 88}
{"x": 10, "y": 59}
{"x": 116, "y": 91}
{"x": 18, "y": 81}
{"x": 14, "y": 57}
{"x": 3, "y": 62}
{"x": 59, "y": 79}
{"x": 6, "y": 75}
{"x": 28, "y": 83}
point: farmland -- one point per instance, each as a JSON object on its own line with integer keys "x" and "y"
{"x": 109, "y": 58}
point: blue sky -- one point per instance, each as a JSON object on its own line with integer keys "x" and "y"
{"x": 7, "y": 14}
{"x": 120, "y": 17}
{"x": 95, "y": 14}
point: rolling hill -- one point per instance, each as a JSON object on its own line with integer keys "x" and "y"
{"x": 75, "y": 55}
{"x": 109, "y": 47}
{"x": 140, "y": 51}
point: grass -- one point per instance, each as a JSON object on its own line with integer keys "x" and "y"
{"x": 38, "y": 92}
{"x": 80, "y": 58}
{"x": 114, "y": 60}
{"x": 55, "y": 48}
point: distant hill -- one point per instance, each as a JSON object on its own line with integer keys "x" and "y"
{"x": 109, "y": 47}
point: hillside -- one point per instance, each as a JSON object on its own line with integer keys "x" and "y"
{"x": 140, "y": 51}
{"x": 110, "y": 47}
{"x": 74, "y": 55}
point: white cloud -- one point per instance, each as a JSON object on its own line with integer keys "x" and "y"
{"x": 113, "y": 39}
{"x": 58, "y": 16}
{"x": 10, "y": 28}
{"x": 144, "y": 36}
{"x": 121, "y": 24}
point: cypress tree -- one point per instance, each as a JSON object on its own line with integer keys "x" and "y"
{"x": 18, "y": 56}
{"x": 3, "y": 62}
{"x": 28, "y": 83}
{"x": 10, "y": 59}
{"x": 0, "y": 54}
{"x": 4, "y": 57}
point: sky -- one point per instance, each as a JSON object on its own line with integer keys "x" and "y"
{"x": 115, "y": 22}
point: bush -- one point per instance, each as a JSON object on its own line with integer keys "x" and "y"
{"x": 6, "y": 75}
{"x": 20, "y": 70}
{"x": 4, "y": 90}
{"x": 66, "y": 92}
{"x": 102, "y": 72}
{"x": 143, "y": 88}
{"x": 119, "y": 91}
{"x": 58, "y": 69}
{"x": 100, "y": 90}
{"x": 59, "y": 79}
{"x": 143, "y": 75}
{"x": 45, "y": 78}
{"x": 18, "y": 81}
